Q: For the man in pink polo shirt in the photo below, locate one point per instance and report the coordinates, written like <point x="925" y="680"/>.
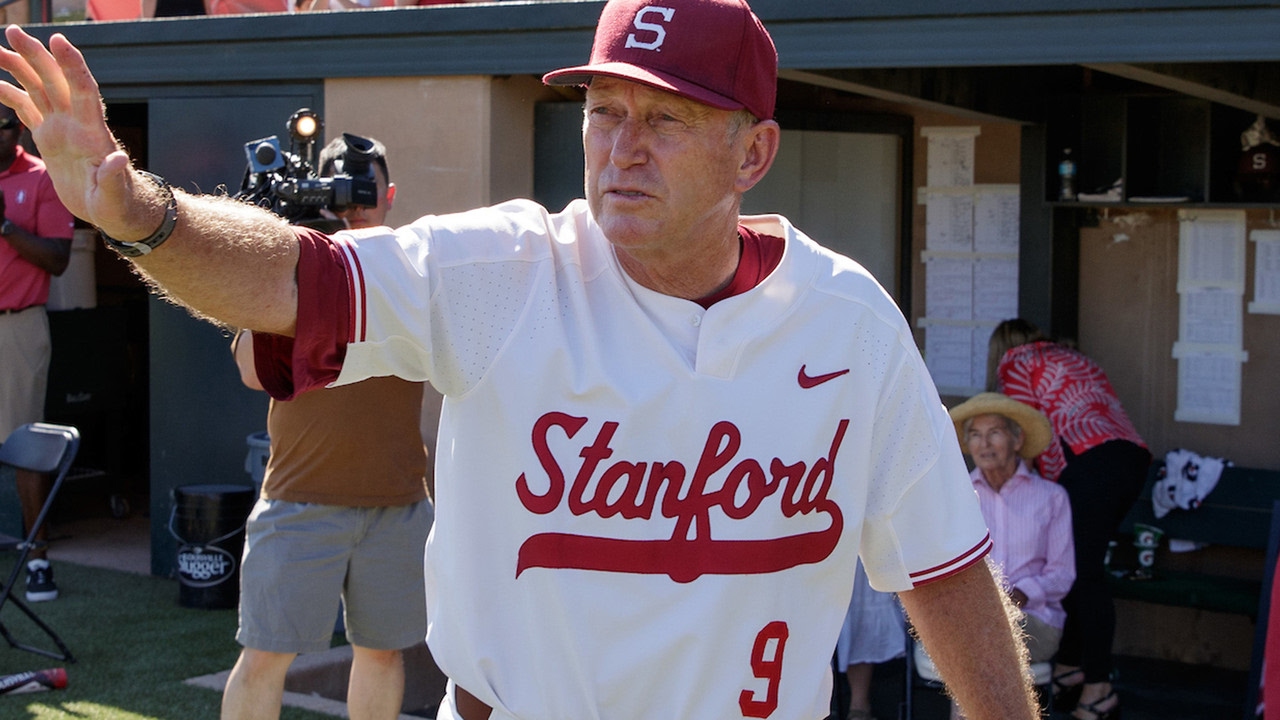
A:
<point x="35" y="244"/>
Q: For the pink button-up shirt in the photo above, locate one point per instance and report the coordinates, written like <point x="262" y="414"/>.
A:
<point x="1030" y="524"/>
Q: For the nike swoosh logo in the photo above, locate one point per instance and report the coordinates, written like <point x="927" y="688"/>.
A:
<point x="807" y="381"/>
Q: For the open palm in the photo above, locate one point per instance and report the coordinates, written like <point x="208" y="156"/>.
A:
<point x="58" y="99"/>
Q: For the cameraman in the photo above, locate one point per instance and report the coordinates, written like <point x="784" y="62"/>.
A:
<point x="360" y="216"/>
<point x="343" y="513"/>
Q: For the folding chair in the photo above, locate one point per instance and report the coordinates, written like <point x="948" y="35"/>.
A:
<point x="42" y="448"/>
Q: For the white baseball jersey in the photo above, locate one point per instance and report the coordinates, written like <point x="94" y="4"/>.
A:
<point x="646" y="509"/>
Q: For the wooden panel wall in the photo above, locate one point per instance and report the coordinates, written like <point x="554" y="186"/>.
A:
<point x="1129" y="322"/>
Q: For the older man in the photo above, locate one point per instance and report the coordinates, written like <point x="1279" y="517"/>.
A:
<point x="627" y="526"/>
<point x="35" y="245"/>
<point x="1029" y="517"/>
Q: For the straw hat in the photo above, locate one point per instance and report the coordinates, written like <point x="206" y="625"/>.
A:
<point x="1036" y="432"/>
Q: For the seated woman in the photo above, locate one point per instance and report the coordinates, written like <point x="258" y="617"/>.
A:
<point x="1029" y="517"/>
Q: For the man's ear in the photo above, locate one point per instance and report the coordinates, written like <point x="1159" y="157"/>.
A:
<point x="762" y="142"/>
<point x="391" y="195"/>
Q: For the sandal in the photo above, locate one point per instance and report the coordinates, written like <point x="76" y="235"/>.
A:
<point x="1067" y="695"/>
<point x="1111" y="713"/>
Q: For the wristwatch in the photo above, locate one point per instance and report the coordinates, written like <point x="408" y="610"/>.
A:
<point x="151" y="242"/>
<point x="7" y="227"/>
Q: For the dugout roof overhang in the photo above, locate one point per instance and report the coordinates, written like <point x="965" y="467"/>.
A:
<point x="992" y="57"/>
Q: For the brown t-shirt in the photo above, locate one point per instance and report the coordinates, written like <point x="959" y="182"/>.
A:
<point x="355" y="445"/>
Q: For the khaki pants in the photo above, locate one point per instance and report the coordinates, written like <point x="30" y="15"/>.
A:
<point x="24" y="367"/>
<point x="1042" y="638"/>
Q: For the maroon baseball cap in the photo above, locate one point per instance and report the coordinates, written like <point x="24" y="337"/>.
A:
<point x="713" y="51"/>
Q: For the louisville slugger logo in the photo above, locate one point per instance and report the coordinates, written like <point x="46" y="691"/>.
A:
<point x="644" y="26"/>
<point x="721" y="480"/>
<point x="807" y="381"/>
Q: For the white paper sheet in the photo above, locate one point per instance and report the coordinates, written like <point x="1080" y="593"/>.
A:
<point x="1211" y="274"/>
<point x="1266" y="272"/>
<point x="1211" y="316"/>
<point x="1208" y="389"/>
<point x="950" y="155"/>
<point x="948" y="222"/>
<point x="947" y="354"/>
<point x="995" y="288"/>
<point x="1211" y="249"/>
<point x="996" y="220"/>
<point x="981" y="341"/>
<point x="948" y="288"/>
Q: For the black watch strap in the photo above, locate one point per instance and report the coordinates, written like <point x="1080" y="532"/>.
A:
<point x="151" y="242"/>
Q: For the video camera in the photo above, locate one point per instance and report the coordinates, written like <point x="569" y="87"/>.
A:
<point x="287" y="184"/>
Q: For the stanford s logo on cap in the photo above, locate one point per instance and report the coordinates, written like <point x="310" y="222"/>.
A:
<point x="715" y="52"/>
<point x="660" y="32"/>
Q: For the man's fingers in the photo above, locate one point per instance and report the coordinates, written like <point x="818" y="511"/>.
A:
<point x="17" y="98"/>
<point x="40" y="75"/>
<point x="79" y="81"/>
<point x="16" y="62"/>
<point x="13" y="96"/>
<point x="57" y="96"/>
<point x="85" y="99"/>
<point x="55" y="83"/>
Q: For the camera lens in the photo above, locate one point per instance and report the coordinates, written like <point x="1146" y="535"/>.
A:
<point x="265" y="154"/>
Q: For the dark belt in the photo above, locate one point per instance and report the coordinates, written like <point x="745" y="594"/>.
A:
<point x="470" y="707"/>
<point x="15" y="311"/>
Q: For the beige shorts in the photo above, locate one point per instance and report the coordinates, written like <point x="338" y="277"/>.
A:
<point x="24" y="367"/>
<point x="1042" y="638"/>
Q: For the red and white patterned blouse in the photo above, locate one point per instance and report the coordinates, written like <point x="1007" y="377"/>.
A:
<point x="1073" y="392"/>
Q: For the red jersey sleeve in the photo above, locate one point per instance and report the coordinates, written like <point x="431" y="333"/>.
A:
<point x="313" y="358"/>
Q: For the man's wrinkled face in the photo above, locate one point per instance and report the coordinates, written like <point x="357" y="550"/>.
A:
<point x="992" y="443"/>
<point x="659" y="168"/>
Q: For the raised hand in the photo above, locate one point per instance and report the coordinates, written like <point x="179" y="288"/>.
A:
<point x="224" y="259"/>
<point x="59" y="100"/>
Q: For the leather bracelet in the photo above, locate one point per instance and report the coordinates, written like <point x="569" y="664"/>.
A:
<point x="151" y="242"/>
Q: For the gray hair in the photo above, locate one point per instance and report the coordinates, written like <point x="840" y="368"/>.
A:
<point x="1014" y="428"/>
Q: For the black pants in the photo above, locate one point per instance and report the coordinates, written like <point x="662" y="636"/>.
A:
<point x="1102" y="484"/>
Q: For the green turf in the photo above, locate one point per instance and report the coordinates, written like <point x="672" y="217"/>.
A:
<point x="134" y="646"/>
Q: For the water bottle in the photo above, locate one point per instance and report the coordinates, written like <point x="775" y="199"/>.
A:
<point x="1067" y="176"/>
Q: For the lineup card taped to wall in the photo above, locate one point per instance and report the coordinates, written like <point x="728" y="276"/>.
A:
<point x="957" y="355"/>
<point x="1210" y="346"/>
<point x="1211" y="249"/>
<point x="970" y="260"/>
<point x="950" y="155"/>
<point x="1266" y="272"/>
<point x="996" y="211"/>
<point x="948" y="220"/>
